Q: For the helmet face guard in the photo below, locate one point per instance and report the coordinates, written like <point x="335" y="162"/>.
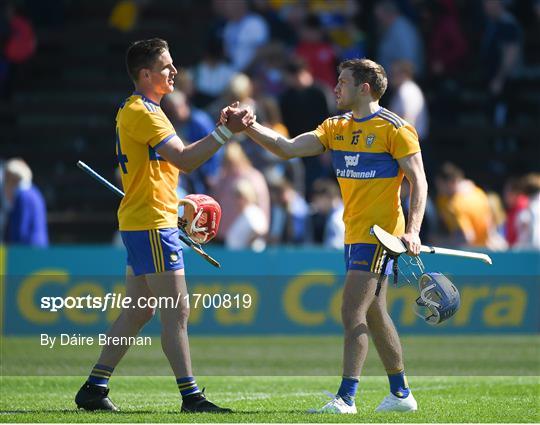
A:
<point x="439" y="296"/>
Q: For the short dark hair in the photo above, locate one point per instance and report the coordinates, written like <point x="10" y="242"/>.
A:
<point x="143" y="54"/>
<point x="367" y="71"/>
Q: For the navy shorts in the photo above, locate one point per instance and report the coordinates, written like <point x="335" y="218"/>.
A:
<point x="153" y="251"/>
<point x="367" y="257"/>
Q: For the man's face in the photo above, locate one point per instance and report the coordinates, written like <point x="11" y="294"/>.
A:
<point x="347" y="94"/>
<point x="161" y="76"/>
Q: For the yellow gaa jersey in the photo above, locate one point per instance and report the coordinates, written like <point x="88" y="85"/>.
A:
<point x="364" y="156"/>
<point x="149" y="182"/>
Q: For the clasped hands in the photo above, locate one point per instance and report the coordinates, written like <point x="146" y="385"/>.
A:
<point x="235" y="118"/>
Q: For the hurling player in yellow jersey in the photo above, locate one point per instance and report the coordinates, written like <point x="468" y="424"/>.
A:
<point x="372" y="149"/>
<point x="150" y="157"/>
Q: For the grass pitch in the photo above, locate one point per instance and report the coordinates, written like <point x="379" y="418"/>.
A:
<point x="278" y="398"/>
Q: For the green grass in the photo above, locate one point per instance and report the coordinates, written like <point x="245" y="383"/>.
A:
<point x="463" y="386"/>
<point x="489" y="355"/>
<point x="274" y="399"/>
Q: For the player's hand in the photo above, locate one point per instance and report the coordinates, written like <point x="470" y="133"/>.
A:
<point x="225" y="113"/>
<point x="412" y="243"/>
<point x="237" y="119"/>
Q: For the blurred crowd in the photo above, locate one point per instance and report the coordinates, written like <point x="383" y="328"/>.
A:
<point x="279" y="57"/>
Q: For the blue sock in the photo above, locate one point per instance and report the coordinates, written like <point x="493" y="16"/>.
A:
<point x="398" y="384"/>
<point x="187" y="386"/>
<point x="100" y="375"/>
<point x="347" y="389"/>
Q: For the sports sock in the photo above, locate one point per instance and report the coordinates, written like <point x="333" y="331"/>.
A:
<point x="100" y="375"/>
<point x="347" y="389"/>
<point x="398" y="384"/>
<point x="187" y="386"/>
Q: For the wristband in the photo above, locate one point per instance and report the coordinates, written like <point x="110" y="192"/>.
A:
<point x="226" y="132"/>
<point x="222" y="134"/>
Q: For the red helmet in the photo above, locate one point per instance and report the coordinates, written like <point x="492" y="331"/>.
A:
<point x="201" y="217"/>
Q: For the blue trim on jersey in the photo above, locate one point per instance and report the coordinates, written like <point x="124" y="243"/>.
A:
<point x="392" y="118"/>
<point x="374" y="114"/>
<point x="149" y="107"/>
<point x="364" y="165"/>
<point x="394" y="115"/>
<point x="165" y="140"/>
<point x="153" y="155"/>
<point x="144" y="98"/>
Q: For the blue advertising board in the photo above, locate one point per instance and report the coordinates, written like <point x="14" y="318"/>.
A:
<point x="279" y="291"/>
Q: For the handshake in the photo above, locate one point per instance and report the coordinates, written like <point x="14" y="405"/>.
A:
<point x="235" y="118"/>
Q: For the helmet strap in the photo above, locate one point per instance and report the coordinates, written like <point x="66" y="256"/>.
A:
<point x="395" y="271"/>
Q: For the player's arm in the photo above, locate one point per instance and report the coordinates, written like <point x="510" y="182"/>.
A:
<point x="306" y="144"/>
<point x="413" y="168"/>
<point x="188" y="158"/>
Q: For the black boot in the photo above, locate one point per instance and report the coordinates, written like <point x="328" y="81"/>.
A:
<point x="94" y="397"/>
<point x="197" y="403"/>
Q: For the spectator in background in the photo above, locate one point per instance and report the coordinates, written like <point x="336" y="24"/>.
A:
<point x="399" y="40"/>
<point x="350" y="41"/>
<point x="237" y="166"/>
<point x="240" y="89"/>
<point x="500" y="55"/>
<point x="289" y="214"/>
<point x="18" y="46"/>
<point x="27" y="217"/>
<point x="280" y="29"/>
<point x="447" y="49"/>
<point x="446" y="43"/>
<point x="212" y="75"/>
<point x="192" y="124"/>
<point x="528" y="220"/>
<point x="273" y="167"/>
<point x="249" y="227"/>
<point x="498" y="241"/>
<point x="20" y="43"/>
<point x="464" y="209"/>
<point x="334" y="14"/>
<point x="267" y="69"/>
<point x="515" y="201"/>
<point x="304" y="105"/>
<point x="327" y="214"/>
<point x="408" y="100"/>
<point x="317" y="52"/>
<point x="243" y="34"/>
<point x="269" y="114"/>
<point x="124" y="15"/>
